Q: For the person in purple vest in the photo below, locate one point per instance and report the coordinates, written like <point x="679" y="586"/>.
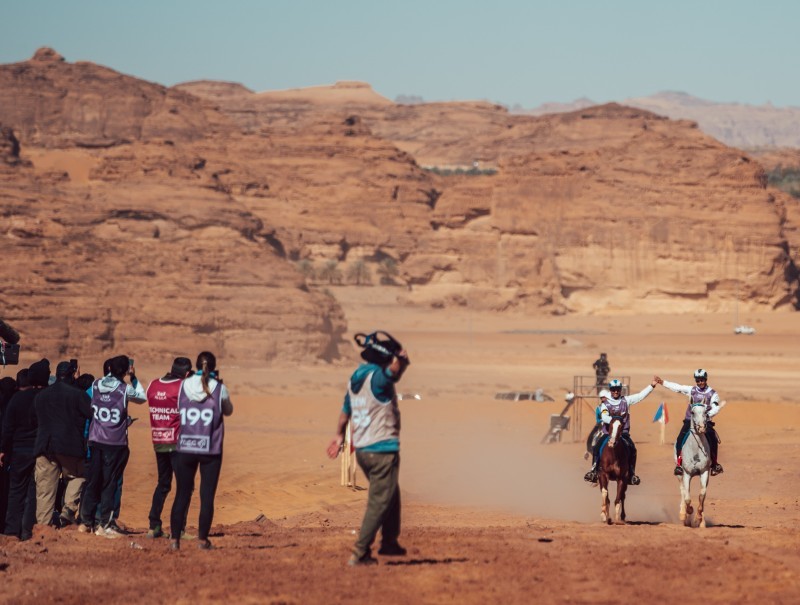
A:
<point x="700" y="393"/>
<point x="371" y="404"/>
<point x="203" y="401"/>
<point x="617" y="406"/>
<point x="108" y="439"/>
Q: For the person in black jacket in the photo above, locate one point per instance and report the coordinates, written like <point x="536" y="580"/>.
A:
<point x="61" y="412"/>
<point x="8" y="386"/>
<point x="16" y="450"/>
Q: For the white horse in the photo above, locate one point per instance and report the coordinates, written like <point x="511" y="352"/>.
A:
<point x="696" y="461"/>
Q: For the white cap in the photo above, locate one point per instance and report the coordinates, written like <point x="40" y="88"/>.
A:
<point x="605" y="393"/>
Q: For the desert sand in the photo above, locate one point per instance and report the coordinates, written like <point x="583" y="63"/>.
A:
<point x="489" y="514"/>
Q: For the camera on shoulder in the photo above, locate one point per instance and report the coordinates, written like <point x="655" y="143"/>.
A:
<point x="9" y="347"/>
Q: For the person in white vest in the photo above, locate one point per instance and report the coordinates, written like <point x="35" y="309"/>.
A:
<point x="371" y="403"/>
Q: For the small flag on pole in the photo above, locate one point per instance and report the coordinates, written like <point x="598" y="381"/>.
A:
<point x="662" y="415"/>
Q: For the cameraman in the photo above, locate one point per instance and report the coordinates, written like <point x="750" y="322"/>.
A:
<point x="61" y="412"/>
<point x="371" y="402"/>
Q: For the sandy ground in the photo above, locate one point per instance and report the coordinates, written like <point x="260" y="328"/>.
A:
<point x="490" y="514"/>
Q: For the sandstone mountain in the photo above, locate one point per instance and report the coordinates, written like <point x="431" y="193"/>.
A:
<point x="735" y="124"/>
<point x="149" y="219"/>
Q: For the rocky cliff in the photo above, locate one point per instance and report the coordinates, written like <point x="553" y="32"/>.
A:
<point x="157" y="220"/>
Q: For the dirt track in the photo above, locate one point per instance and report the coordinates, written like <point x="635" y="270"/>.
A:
<point x="532" y="561"/>
<point x="489" y="514"/>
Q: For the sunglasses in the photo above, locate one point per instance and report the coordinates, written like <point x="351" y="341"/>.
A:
<point x="615" y="389"/>
<point x="699" y="379"/>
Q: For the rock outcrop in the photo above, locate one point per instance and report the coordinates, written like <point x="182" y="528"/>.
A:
<point x="147" y="219"/>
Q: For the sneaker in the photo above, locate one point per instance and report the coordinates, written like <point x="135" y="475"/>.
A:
<point x="121" y="531"/>
<point x="591" y="476"/>
<point x="205" y="544"/>
<point x="185" y="536"/>
<point x="156" y="532"/>
<point x="678" y="471"/>
<point x="107" y="532"/>
<point x="716" y="469"/>
<point x="635" y="480"/>
<point x="85" y="529"/>
<point x="392" y="550"/>
<point x="175" y="545"/>
<point x="67" y="517"/>
<point x="366" y="560"/>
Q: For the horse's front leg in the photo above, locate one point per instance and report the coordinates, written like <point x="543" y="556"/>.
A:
<point x="699" y="519"/>
<point x="686" y="499"/>
<point x="619" y="503"/>
<point x="604" y="502"/>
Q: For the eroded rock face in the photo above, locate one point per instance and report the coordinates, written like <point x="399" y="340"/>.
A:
<point x="52" y="103"/>
<point x="186" y="234"/>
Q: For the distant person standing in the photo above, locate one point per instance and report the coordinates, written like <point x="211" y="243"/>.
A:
<point x="108" y="439"/>
<point x="165" y="422"/>
<point x="371" y="403"/>
<point x="601" y="372"/>
<point x="203" y="401"/>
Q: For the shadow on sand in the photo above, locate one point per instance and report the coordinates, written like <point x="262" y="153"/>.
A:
<point x="446" y="561"/>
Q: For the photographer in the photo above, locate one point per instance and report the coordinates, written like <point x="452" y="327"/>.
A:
<point x="371" y="403"/>
<point x="61" y="412"/>
<point x="108" y="438"/>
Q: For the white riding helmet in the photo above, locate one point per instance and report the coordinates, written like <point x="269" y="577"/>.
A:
<point x="701" y="373"/>
<point x="614" y="384"/>
<point x="605" y="393"/>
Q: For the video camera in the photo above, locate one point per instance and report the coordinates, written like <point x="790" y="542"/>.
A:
<point x="9" y="349"/>
<point x="380" y="348"/>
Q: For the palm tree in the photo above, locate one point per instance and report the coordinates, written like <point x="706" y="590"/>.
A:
<point x="388" y="271"/>
<point x="359" y="273"/>
<point x="330" y="272"/>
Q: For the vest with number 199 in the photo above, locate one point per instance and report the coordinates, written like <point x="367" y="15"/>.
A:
<point x="202" y="428"/>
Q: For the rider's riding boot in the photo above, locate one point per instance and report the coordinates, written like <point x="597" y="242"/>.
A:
<point x="634" y="478"/>
<point x="716" y="468"/>
<point x="678" y="468"/>
<point x="591" y="476"/>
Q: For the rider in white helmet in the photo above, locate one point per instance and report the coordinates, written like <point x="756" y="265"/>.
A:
<point x="700" y="393"/>
<point x="617" y="406"/>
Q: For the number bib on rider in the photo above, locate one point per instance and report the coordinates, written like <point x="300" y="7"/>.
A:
<point x="202" y="428"/>
<point x="109" y="415"/>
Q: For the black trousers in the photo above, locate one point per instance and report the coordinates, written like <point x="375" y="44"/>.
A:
<point x="163" y="487"/>
<point x="185" y="466"/>
<point x="21" y="514"/>
<point x="105" y="470"/>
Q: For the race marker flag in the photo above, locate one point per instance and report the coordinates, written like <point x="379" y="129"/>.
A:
<point x="662" y="415"/>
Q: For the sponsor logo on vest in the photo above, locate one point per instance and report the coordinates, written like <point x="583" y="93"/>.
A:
<point x="192" y="443"/>
<point x="163" y="435"/>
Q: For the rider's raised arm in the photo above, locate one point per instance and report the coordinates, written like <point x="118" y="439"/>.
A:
<point x="677" y="388"/>
<point x="634" y="399"/>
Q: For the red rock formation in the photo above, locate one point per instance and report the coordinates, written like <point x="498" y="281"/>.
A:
<point x="186" y="233"/>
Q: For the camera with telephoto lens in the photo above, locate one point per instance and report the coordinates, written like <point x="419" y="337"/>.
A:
<point x="9" y="347"/>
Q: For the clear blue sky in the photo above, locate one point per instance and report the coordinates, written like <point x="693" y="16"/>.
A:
<point x="510" y="51"/>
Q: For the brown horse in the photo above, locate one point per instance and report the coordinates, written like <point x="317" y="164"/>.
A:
<point x="614" y="466"/>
